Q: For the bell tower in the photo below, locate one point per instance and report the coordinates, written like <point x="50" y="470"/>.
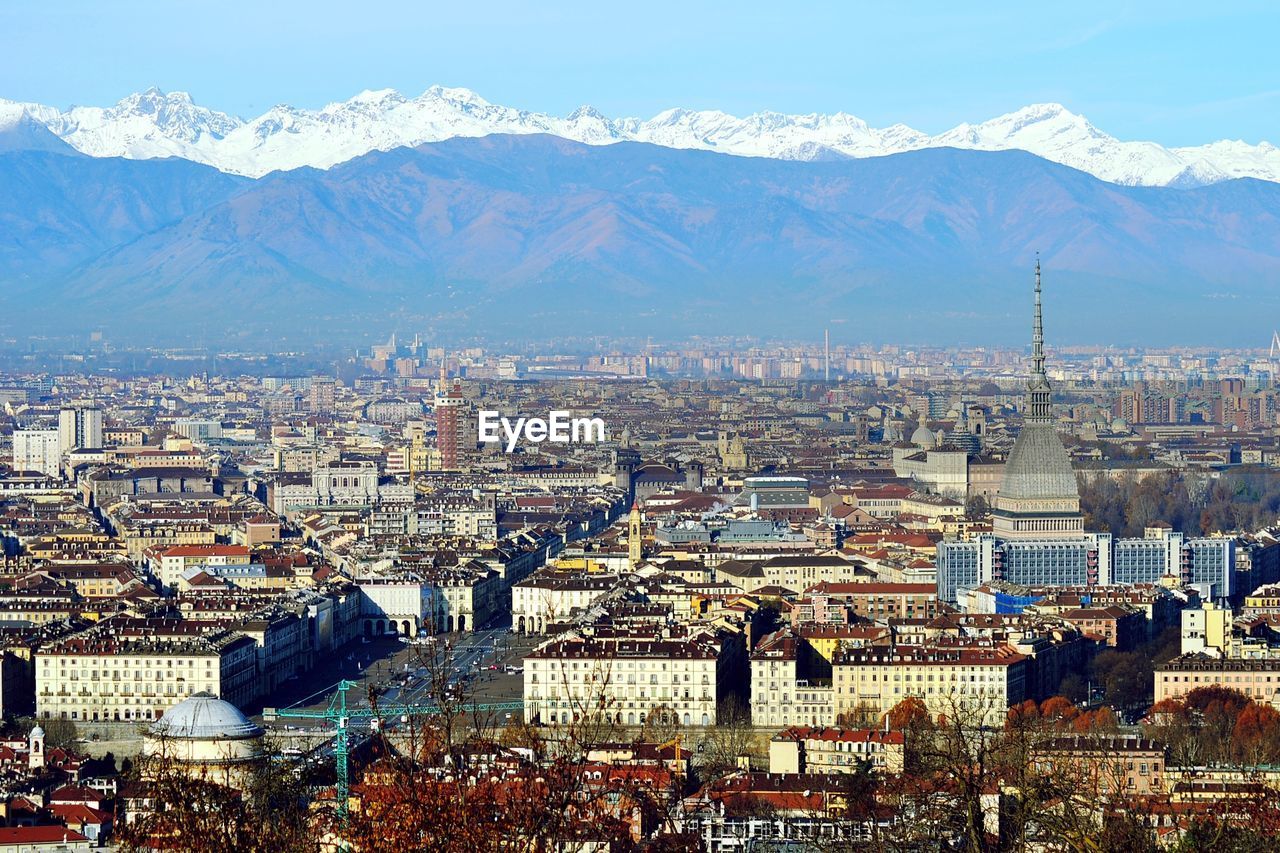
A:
<point x="35" y="749"/>
<point x="634" y="553"/>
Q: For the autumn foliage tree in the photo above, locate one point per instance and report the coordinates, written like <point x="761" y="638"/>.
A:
<point x="909" y="713"/>
<point x="173" y="808"/>
<point x="1216" y="724"/>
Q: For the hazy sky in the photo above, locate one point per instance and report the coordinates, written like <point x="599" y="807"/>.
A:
<point x="1137" y="70"/>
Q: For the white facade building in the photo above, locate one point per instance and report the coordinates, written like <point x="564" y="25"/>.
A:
<point x="37" y="450"/>
<point x="624" y="678"/>
<point x="549" y="596"/>
<point x="402" y="606"/>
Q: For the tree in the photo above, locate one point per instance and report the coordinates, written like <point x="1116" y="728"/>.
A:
<point x="58" y="733"/>
<point x="1100" y="721"/>
<point x="1058" y="710"/>
<point x="728" y="743"/>
<point x="909" y="713"/>
<point x="518" y="734"/>
<point x="1126" y="677"/>
<point x="1073" y="687"/>
<point x="661" y="724"/>
<point x="211" y="810"/>
<point x="977" y="507"/>
<point x="1255" y="738"/>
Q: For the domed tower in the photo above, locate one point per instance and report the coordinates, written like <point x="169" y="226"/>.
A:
<point x="35" y="748"/>
<point x="1039" y="497"/>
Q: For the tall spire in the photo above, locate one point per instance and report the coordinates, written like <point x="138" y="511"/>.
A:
<point x="1037" y="329"/>
<point x="1039" y="407"/>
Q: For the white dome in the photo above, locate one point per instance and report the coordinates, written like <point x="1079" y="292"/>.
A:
<point x="205" y="717"/>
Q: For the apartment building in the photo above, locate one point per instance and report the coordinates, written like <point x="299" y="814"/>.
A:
<point x="170" y="564"/>
<point x="980" y="679"/>
<point x="797" y="573"/>
<point x="134" y="669"/>
<point x="93" y="580"/>
<point x="404" y="604"/>
<point x="467" y="597"/>
<point x="1109" y="766"/>
<point x="1117" y="626"/>
<point x="1257" y="678"/>
<point x="830" y="749"/>
<point x="162" y="534"/>
<point x="790" y="683"/>
<point x="37" y="450"/>
<point x="882" y="601"/>
<point x="626" y="677"/>
<point x="551" y="596"/>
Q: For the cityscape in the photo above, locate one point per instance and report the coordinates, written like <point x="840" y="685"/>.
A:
<point x="764" y="604"/>
<point x="412" y="473"/>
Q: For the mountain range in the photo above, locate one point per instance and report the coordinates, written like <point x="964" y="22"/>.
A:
<point x="155" y="124"/>
<point x="534" y="235"/>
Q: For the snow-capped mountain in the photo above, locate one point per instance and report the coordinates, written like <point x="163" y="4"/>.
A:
<point x="155" y="124"/>
<point x="141" y="127"/>
<point x="20" y="131"/>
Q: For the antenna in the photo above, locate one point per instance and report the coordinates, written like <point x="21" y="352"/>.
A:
<point x="826" y="355"/>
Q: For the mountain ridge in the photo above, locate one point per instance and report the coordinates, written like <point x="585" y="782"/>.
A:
<point x="157" y="124"/>
<point x="535" y="231"/>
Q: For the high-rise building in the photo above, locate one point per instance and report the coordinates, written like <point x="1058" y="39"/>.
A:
<point x="450" y="410"/>
<point x="80" y="428"/>
<point x="320" y="397"/>
<point x="1039" y="497"/>
<point x="37" y="450"/>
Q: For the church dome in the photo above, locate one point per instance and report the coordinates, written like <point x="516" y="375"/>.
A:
<point x="205" y="717"/>
<point x="1038" y="467"/>
<point x="923" y="437"/>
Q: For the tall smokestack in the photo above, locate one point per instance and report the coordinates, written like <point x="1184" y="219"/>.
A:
<point x="826" y="355"/>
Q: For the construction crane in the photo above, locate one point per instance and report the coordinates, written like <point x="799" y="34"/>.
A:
<point x="340" y="714"/>
<point x="675" y="741"/>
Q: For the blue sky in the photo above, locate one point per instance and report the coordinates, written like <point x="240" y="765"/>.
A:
<point x="1179" y="76"/>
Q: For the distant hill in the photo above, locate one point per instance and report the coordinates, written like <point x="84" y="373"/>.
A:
<point x="538" y="234"/>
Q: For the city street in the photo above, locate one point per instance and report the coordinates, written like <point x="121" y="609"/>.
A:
<point x="400" y="672"/>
